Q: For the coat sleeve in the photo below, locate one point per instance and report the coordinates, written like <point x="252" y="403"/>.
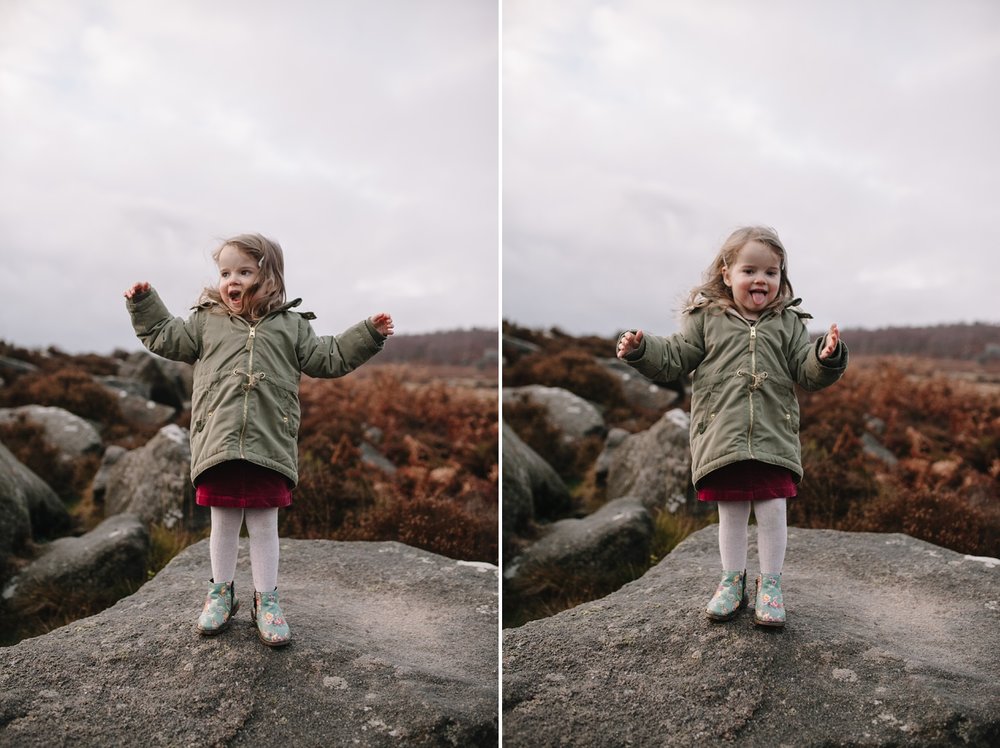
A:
<point x="806" y="367"/>
<point x="336" y="355"/>
<point x="667" y="359"/>
<point x="163" y="334"/>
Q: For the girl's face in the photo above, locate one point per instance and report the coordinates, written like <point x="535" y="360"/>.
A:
<point x="238" y="273"/>
<point x="754" y="277"/>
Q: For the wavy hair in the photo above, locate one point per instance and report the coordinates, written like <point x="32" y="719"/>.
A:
<point x="714" y="293"/>
<point x="268" y="293"/>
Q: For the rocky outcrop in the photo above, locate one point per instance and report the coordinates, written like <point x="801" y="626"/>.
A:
<point x="168" y="382"/>
<point x="108" y="558"/>
<point x="67" y="433"/>
<point x="154" y="482"/>
<point x="28" y="507"/>
<point x="594" y="548"/>
<point x="391" y="646"/>
<point x="530" y="486"/>
<point x="140" y="411"/>
<point x="640" y="392"/>
<point x="570" y="414"/>
<point x="653" y="465"/>
<point x="890" y="641"/>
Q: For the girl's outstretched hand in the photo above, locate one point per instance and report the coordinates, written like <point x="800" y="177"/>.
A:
<point x="138" y="288"/>
<point x="383" y="323"/>
<point x="629" y="342"/>
<point x="832" y="338"/>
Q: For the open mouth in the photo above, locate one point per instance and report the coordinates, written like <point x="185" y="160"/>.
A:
<point x="235" y="296"/>
<point x="759" y="296"/>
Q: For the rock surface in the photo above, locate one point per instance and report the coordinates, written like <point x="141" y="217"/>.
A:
<point x="169" y="382"/>
<point x="28" y="507"/>
<point x="391" y="646"/>
<point x="530" y="486"/>
<point x="65" y="432"/>
<point x="154" y="481"/>
<point x="654" y="465"/>
<point x="104" y="559"/>
<point x="570" y="414"/>
<point x="890" y="641"/>
<point x="600" y="544"/>
<point x="639" y="391"/>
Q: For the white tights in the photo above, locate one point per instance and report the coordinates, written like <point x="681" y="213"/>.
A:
<point x="224" y="544"/>
<point x="772" y="534"/>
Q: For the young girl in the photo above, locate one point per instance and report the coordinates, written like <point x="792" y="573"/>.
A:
<point x="744" y="338"/>
<point x="248" y="348"/>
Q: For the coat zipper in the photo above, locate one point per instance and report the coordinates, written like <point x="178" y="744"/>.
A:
<point x="246" y="389"/>
<point x="753" y="378"/>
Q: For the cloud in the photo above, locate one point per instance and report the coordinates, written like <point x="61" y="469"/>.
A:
<point x="362" y="136"/>
<point x="638" y="134"/>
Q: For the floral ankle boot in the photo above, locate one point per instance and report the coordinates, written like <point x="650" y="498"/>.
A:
<point x="769" y="607"/>
<point x="271" y="626"/>
<point x="220" y="607"/>
<point x="729" y="597"/>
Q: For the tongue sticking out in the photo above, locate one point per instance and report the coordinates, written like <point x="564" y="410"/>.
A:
<point x="758" y="296"/>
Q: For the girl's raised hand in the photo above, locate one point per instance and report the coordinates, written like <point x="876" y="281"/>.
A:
<point x="832" y="338"/>
<point x="383" y="323"/>
<point x="138" y="288"/>
<point x="629" y="342"/>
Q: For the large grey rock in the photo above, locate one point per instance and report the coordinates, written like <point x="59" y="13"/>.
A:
<point x="99" y="486"/>
<point x="139" y="411"/>
<point x="890" y="641"/>
<point x="65" y="432"/>
<point x="600" y="545"/>
<point x="111" y="555"/>
<point x="28" y="507"/>
<point x="530" y="486"/>
<point x="15" y="521"/>
<point x="392" y="646"/>
<point x="154" y="482"/>
<point x="653" y="465"/>
<point x="169" y="382"/>
<point x="570" y="414"/>
<point x="638" y="390"/>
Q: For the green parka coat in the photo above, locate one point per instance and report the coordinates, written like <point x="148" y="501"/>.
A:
<point x="743" y="402"/>
<point x="245" y="404"/>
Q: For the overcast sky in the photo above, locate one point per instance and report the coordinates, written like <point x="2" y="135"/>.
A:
<point x="134" y="136"/>
<point x="637" y="134"/>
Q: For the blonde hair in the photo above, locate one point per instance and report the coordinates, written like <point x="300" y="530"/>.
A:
<point x="714" y="292"/>
<point x="268" y="293"/>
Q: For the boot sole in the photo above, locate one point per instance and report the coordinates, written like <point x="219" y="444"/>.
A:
<point x="225" y="624"/>
<point x="769" y="624"/>
<point x="728" y="616"/>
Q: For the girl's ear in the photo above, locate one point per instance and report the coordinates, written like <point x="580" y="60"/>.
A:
<point x="725" y="276"/>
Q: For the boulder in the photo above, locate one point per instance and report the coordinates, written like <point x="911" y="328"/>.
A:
<point x="169" y="382"/>
<point x="392" y="646"/>
<point x="99" y="486"/>
<point x="653" y="465"/>
<point x="15" y="521"/>
<point x="639" y="391"/>
<point x="154" y="482"/>
<point x="890" y="641"/>
<point x="67" y="433"/>
<point x="28" y="507"/>
<point x="140" y="411"/>
<point x="16" y="366"/>
<point x="570" y="414"/>
<point x="531" y="487"/>
<point x="372" y="457"/>
<point x="104" y="560"/>
<point x="596" y="548"/>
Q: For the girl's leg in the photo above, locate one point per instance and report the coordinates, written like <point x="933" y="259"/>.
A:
<point x="733" y="518"/>
<point x="224" y="544"/>
<point x="262" y="526"/>
<point x="772" y="537"/>
<point x="772" y="534"/>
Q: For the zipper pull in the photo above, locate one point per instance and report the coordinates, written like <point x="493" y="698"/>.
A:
<point x="753" y="332"/>
<point x="253" y="331"/>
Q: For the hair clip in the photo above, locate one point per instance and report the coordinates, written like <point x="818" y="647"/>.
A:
<point x="260" y="262"/>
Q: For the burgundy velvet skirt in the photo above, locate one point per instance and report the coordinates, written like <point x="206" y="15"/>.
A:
<point x="242" y="484"/>
<point x="748" y="480"/>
